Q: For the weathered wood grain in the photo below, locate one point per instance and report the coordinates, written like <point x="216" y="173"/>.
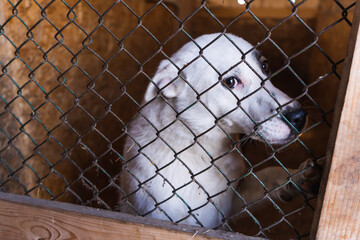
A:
<point x="340" y="211"/>
<point x="28" y="218"/>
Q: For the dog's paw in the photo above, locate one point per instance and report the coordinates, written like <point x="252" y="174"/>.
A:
<point x="305" y="180"/>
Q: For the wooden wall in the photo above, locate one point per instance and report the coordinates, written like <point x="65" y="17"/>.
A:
<point x="72" y="142"/>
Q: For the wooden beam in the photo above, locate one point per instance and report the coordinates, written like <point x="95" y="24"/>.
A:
<point x="272" y="9"/>
<point x="29" y="218"/>
<point x="274" y="13"/>
<point x="261" y="3"/>
<point x="338" y="210"/>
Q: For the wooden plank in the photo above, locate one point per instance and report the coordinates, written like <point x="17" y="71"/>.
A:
<point x="338" y="210"/>
<point x="262" y="9"/>
<point x="275" y="13"/>
<point x="261" y="3"/>
<point x="29" y="218"/>
<point x="272" y="9"/>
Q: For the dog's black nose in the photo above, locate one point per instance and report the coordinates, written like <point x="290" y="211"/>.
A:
<point x="297" y="118"/>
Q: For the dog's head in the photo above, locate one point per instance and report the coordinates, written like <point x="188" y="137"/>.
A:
<point x="222" y="80"/>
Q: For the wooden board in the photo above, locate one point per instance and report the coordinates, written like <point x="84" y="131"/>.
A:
<point x="28" y="218"/>
<point x="262" y="8"/>
<point x="275" y="13"/>
<point x="262" y="3"/>
<point x="339" y="213"/>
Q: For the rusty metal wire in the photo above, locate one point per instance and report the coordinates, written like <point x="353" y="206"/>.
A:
<point x="13" y="173"/>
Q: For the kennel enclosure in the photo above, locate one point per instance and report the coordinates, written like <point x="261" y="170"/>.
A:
<point x="73" y="77"/>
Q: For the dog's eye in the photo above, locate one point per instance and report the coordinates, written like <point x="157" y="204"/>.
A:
<point x="230" y="82"/>
<point x="265" y="65"/>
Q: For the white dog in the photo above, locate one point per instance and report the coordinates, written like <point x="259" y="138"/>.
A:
<point x="181" y="159"/>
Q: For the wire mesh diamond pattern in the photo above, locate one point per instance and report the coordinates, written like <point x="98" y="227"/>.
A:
<point x="73" y="77"/>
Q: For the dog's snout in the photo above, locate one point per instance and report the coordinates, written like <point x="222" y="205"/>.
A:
<point x="297" y="118"/>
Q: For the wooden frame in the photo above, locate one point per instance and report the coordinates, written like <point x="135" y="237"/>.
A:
<point x="338" y="208"/>
<point x="24" y="217"/>
<point x="337" y="215"/>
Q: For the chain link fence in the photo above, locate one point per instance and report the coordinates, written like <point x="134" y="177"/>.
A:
<point x="73" y="77"/>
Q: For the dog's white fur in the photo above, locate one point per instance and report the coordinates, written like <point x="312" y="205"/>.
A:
<point x="176" y="135"/>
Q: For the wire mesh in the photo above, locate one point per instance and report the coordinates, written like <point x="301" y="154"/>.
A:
<point x="72" y="81"/>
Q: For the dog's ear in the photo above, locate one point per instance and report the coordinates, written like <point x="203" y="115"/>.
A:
<point x="166" y="77"/>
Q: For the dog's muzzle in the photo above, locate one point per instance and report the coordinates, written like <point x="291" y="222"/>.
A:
<point x="297" y="118"/>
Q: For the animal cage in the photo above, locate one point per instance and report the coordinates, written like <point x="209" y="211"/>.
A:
<point x="73" y="78"/>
